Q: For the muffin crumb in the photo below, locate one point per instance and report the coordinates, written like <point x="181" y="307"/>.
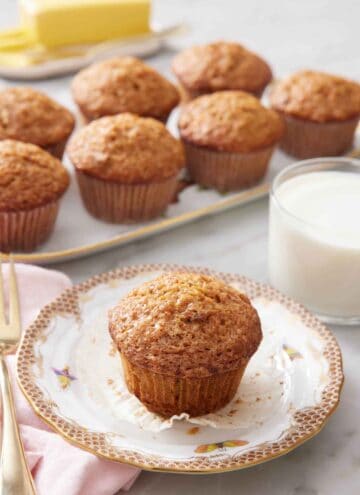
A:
<point x="123" y="84"/>
<point x="186" y="325"/>
<point x="32" y="117"/>
<point x="317" y="96"/>
<point x="221" y="66"/>
<point x="127" y="149"/>
<point x="29" y="176"/>
<point x="232" y="121"/>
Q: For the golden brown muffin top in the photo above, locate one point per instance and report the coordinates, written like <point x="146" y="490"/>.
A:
<point x="127" y="149"/>
<point x="221" y="65"/>
<point x="29" y="176"/>
<point x="31" y="116"/>
<point x="123" y="85"/>
<point x="186" y="324"/>
<point x="231" y="121"/>
<point x="317" y="96"/>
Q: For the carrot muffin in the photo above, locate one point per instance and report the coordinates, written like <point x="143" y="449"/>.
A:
<point x="321" y="112"/>
<point x="185" y="340"/>
<point x="31" y="185"/>
<point x="126" y="166"/>
<point x="32" y="117"/>
<point x="220" y="66"/>
<point x="123" y="85"/>
<point x="229" y="138"/>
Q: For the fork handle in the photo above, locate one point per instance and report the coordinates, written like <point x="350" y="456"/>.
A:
<point x="15" y="476"/>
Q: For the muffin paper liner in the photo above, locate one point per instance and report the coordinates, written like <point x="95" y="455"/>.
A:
<point x="226" y="171"/>
<point x="25" y="230"/>
<point x="125" y="203"/>
<point x="168" y="396"/>
<point x="57" y="149"/>
<point x="265" y="387"/>
<point x="305" y="139"/>
<point x="187" y="94"/>
<point x="84" y="120"/>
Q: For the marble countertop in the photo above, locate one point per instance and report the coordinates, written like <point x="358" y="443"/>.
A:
<point x="322" y="35"/>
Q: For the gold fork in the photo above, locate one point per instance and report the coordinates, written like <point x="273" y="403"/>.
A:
<point x="15" y="476"/>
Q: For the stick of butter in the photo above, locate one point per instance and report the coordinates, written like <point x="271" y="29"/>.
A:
<point x="15" y="39"/>
<point x="64" y="22"/>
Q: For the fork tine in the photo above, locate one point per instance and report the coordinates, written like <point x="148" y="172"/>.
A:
<point x="14" y="307"/>
<point x="2" y="302"/>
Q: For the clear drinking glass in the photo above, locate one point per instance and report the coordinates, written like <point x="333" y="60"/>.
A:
<point x="314" y="237"/>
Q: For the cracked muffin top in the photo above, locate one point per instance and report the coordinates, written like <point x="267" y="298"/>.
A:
<point x="123" y="85"/>
<point x="232" y="121"/>
<point x="31" y="116"/>
<point x="127" y="149"/>
<point x="220" y="66"/>
<point x="29" y="176"/>
<point x="186" y="324"/>
<point x="317" y="96"/>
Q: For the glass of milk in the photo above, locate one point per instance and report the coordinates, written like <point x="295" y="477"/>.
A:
<point x="314" y="236"/>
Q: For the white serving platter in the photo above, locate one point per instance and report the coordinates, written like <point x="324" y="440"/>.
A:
<point x="78" y="234"/>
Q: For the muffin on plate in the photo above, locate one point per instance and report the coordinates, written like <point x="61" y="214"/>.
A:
<point x="321" y="112"/>
<point x="229" y="138"/>
<point x="123" y="84"/>
<point x="31" y="184"/>
<point x="126" y="166"/>
<point x="185" y="340"/>
<point x="32" y="117"/>
<point x="220" y="66"/>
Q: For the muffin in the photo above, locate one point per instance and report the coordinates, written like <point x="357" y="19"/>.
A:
<point x="31" y="184"/>
<point x="126" y="166"/>
<point x="185" y="340"/>
<point x="121" y="85"/>
<point x="321" y="113"/>
<point x="32" y="117"/>
<point x="229" y="138"/>
<point x="220" y="66"/>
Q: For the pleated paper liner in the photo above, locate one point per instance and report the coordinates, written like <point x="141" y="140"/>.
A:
<point x="195" y="396"/>
<point x="305" y="139"/>
<point x="188" y="94"/>
<point x="57" y="149"/>
<point x="85" y="120"/>
<point x="226" y="171"/>
<point x="25" y="230"/>
<point x="125" y="203"/>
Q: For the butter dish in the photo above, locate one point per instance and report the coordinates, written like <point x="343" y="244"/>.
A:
<point x="35" y="61"/>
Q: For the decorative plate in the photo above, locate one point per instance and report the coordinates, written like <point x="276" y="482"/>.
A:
<point x="71" y="375"/>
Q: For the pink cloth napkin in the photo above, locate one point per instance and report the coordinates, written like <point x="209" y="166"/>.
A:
<point x="58" y="467"/>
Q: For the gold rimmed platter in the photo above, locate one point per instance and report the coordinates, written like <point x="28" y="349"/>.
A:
<point x="77" y="234"/>
<point x="290" y="389"/>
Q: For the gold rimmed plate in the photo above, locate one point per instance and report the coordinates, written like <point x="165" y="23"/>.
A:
<point x="71" y="375"/>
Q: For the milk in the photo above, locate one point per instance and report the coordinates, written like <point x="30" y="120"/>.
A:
<point x="314" y="241"/>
